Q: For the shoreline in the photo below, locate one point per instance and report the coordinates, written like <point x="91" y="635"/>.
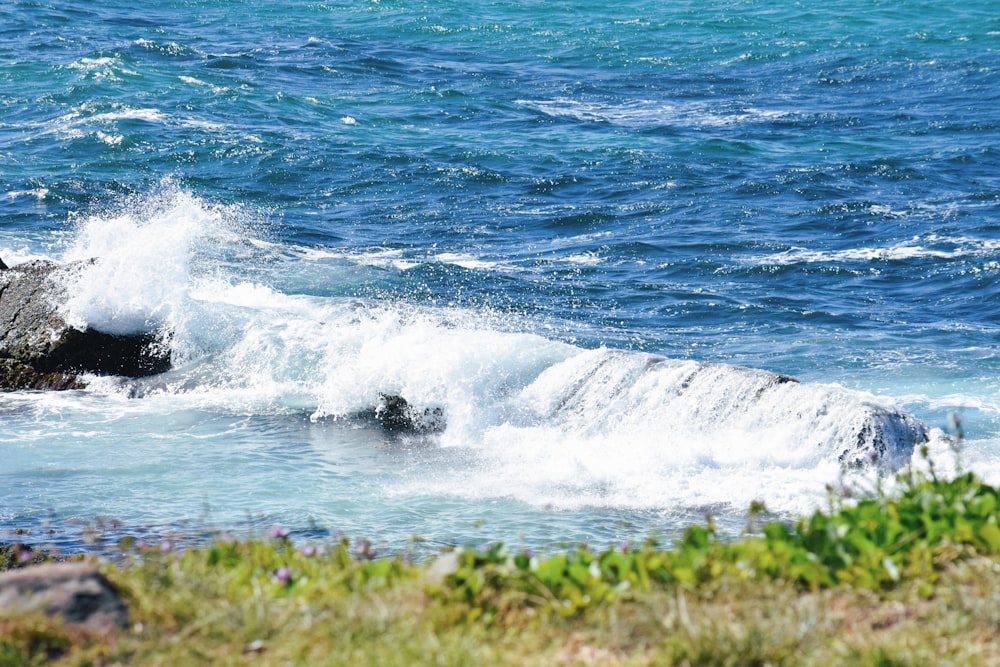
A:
<point x="906" y="578"/>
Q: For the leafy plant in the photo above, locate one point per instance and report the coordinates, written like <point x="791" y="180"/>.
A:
<point x="871" y="543"/>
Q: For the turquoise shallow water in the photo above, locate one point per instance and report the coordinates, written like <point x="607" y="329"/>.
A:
<point x="329" y="201"/>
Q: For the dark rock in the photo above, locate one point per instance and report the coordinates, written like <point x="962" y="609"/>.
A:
<point x="14" y="375"/>
<point x="396" y="415"/>
<point x="3" y="267"/>
<point x="39" y="350"/>
<point x="76" y="592"/>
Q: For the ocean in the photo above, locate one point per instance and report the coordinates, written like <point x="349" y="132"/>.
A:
<point x="495" y="211"/>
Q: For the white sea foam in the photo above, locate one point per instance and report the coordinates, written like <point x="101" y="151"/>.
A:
<point x="465" y="260"/>
<point x="932" y="246"/>
<point x="92" y="63"/>
<point x="105" y="125"/>
<point x="149" y="115"/>
<point x="76" y="123"/>
<point x="585" y="258"/>
<point x="37" y="193"/>
<point x="651" y="113"/>
<point x="109" y="139"/>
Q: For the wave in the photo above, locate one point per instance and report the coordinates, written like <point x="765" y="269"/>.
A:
<point x="176" y="263"/>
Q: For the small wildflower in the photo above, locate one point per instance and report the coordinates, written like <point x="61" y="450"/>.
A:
<point x="166" y="547"/>
<point x="24" y="556"/>
<point x="284" y="575"/>
<point x="279" y="532"/>
<point x="310" y="551"/>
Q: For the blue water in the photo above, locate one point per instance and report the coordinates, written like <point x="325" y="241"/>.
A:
<point x="456" y="202"/>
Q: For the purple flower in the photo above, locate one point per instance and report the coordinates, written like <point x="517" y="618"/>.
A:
<point x="309" y="551"/>
<point x="279" y="532"/>
<point x="284" y="575"/>
<point x="166" y="547"/>
<point x="24" y="556"/>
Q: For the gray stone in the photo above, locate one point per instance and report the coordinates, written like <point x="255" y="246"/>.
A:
<point x="76" y="592"/>
<point x="39" y="350"/>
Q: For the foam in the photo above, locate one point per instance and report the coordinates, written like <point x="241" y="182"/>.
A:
<point x="645" y="114"/>
<point x="916" y="248"/>
<point x="143" y="256"/>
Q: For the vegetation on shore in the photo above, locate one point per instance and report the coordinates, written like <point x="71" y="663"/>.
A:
<point x="907" y="578"/>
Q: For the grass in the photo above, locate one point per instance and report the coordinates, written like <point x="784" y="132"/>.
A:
<point x="909" y="578"/>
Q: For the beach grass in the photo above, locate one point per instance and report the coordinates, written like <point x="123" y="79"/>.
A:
<point x="907" y="578"/>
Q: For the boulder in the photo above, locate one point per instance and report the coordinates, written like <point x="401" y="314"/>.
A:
<point x="76" y="592"/>
<point x="39" y="350"/>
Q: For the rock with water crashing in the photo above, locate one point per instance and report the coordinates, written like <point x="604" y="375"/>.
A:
<point x="883" y="437"/>
<point x="396" y="415"/>
<point x="39" y="350"/>
<point x="75" y="592"/>
<point x="721" y="403"/>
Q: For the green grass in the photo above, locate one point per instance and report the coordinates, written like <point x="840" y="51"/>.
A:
<point x="911" y="578"/>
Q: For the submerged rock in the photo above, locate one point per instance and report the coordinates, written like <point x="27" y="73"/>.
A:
<point x="76" y="592"/>
<point x="396" y="415"/>
<point x="39" y="350"/>
<point x="721" y="404"/>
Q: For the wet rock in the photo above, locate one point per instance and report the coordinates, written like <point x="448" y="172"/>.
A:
<point x="396" y="415"/>
<point x="76" y="592"/>
<point x="39" y="350"/>
<point x="884" y="438"/>
<point x="14" y="375"/>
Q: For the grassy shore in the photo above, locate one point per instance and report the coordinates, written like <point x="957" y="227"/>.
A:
<point x="911" y="578"/>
